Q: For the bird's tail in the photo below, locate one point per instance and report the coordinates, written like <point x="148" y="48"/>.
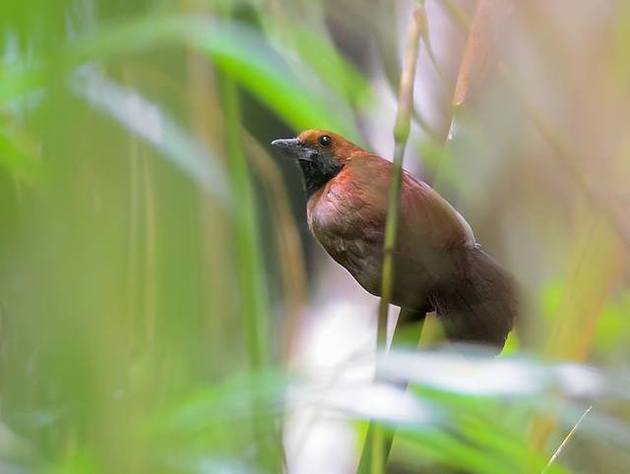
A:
<point x="479" y="306"/>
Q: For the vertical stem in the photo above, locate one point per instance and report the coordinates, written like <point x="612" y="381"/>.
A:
<point x="401" y="338"/>
<point x="401" y="134"/>
<point x="290" y="256"/>
<point x="150" y="294"/>
<point x="132" y="245"/>
<point x="250" y="272"/>
<point x="249" y="261"/>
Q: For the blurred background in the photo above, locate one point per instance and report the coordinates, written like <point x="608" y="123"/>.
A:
<point x="163" y="307"/>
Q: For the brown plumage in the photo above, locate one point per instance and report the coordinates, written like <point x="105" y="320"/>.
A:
<point x="438" y="264"/>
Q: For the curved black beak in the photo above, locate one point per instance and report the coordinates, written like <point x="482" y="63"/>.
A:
<point x="294" y="148"/>
<point x="287" y="145"/>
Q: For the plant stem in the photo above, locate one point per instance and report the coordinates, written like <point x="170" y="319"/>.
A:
<point x="245" y="229"/>
<point x="400" y="339"/>
<point x="566" y="439"/>
<point x="401" y="134"/>
<point x="249" y="263"/>
<point x="290" y="257"/>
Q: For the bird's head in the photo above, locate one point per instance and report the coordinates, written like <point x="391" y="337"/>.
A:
<point x="321" y="155"/>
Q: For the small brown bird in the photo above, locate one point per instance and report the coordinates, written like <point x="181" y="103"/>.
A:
<point x="438" y="264"/>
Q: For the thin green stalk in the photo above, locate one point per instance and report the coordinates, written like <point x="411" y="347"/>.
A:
<point x="254" y="306"/>
<point x="401" y="134"/>
<point x="249" y="265"/>
<point x="405" y="335"/>
<point x="566" y="439"/>
<point x="150" y="291"/>
<point x="290" y="257"/>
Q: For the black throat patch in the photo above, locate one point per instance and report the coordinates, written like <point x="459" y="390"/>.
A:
<point x="317" y="171"/>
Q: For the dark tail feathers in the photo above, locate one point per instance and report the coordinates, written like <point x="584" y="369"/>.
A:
<point x="480" y="305"/>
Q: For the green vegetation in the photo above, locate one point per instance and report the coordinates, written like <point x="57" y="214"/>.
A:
<point x="153" y="282"/>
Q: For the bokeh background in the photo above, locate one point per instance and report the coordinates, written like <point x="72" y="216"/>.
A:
<point x="162" y="305"/>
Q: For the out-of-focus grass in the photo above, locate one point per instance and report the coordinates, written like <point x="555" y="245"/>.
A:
<point x="149" y="268"/>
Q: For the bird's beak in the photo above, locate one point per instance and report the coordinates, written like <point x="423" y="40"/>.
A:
<point x="292" y="147"/>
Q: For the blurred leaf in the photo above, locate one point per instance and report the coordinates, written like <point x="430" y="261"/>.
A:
<point x="612" y="330"/>
<point x="243" y="54"/>
<point x="148" y="121"/>
<point x="15" y="157"/>
<point x="451" y="451"/>
<point x="238" y="50"/>
<point x="472" y="372"/>
<point x="114" y="344"/>
<point x="326" y="62"/>
<point x="551" y="295"/>
<point x="228" y="401"/>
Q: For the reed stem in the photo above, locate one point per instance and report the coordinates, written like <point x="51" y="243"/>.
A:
<point x="378" y="445"/>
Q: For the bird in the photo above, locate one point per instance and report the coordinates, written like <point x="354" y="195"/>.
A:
<point x="438" y="264"/>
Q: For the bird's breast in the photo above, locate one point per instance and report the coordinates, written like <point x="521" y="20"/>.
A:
<point x="344" y="229"/>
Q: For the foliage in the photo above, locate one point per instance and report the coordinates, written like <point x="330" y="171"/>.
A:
<point x="152" y="285"/>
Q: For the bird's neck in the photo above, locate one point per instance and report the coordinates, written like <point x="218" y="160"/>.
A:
<point x="317" y="173"/>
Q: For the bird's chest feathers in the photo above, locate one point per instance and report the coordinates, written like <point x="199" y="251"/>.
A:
<point x="340" y="223"/>
<point x="330" y="216"/>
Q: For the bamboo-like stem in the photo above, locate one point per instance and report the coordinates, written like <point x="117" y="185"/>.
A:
<point x="150" y="291"/>
<point x="249" y="263"/>
<point x="400" y="339"/>
<point x="133" y="239"/>
<point x="245" y="230"/>
<point x="207" y="123"/>
<point x="401" y="134"/>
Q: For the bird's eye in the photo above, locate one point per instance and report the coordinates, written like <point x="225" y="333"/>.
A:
<point x="325" y="140"/>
